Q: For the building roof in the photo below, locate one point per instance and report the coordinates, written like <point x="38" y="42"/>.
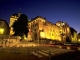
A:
<point x="42" y="18"/>
<point x="37" y="17"/>
<point x="15" y="14"/>
<point x="4" y="21"/>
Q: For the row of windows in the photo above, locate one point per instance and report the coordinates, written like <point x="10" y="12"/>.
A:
<point x="35" y="21"/>
<point x="34" y="25"/>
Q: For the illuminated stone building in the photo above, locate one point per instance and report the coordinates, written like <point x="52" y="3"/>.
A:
<point x="40" y="28"/>
<point x="78" y="37"/>
<point x="73" y="35"/>
<point x="4" y="27"/>
<point x="64" y="30"/>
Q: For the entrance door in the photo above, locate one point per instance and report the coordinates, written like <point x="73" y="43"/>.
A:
<point x="35" y="36"/>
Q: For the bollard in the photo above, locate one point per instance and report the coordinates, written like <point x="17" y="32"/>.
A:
<point x="60" y="47"/>
<point x="49" y="55"/>
<point x="2" y="49"/>
<point x="17" y="50"/>
<point x="68" y="48"/>
<point x="12" y="50"/>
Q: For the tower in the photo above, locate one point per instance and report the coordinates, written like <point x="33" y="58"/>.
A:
<point x="19" y="13"/>
<point x="13" y="18"/>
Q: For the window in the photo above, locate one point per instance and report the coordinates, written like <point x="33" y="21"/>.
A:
<point x="33" y="22"/>
<point x="42" y="30"/>
<point x="60" y="32"/>
<point x="35" y="29"/>
<point x="33" y="25"/>
<point x="45" y="23"/>
<point x="36" y="24"/>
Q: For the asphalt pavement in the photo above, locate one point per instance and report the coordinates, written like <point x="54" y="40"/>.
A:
<point x="26" y="51"/>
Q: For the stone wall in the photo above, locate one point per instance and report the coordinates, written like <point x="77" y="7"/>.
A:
<point x="9" y="40"/>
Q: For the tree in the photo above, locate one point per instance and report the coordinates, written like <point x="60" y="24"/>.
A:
<point x="20" y="26"/>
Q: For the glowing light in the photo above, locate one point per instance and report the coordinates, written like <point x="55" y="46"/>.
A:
<point x="58" y="24"/>
<point x="1" y="30"/>
<point x="79" y="40"/>
<point x="42" y="34"/>
<point x="25" y="38"/>
<point x="11" y="31"/>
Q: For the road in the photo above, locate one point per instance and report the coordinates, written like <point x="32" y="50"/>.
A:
<point x="29" y="52"/>
<point x="54" y="51"/>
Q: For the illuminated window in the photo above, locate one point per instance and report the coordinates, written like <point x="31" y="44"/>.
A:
<point x="67" y="29"/>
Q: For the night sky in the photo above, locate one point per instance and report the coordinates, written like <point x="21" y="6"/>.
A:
<point x="53" y="10"/>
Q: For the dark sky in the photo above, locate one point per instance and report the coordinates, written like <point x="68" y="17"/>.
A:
<point x="53" y="10"/>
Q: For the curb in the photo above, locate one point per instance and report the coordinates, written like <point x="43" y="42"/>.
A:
<point x="69" y="47"/>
